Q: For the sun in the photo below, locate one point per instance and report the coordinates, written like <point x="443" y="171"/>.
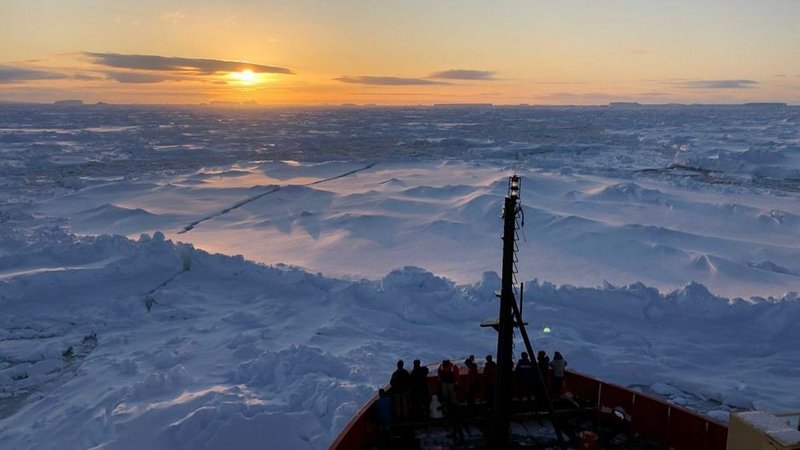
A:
<point x="246" y="77"/>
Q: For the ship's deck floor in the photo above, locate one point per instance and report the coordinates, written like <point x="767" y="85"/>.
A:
<point x="531" y="428"/>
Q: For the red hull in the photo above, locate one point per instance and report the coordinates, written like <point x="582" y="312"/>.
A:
<point x="648" y="417"/>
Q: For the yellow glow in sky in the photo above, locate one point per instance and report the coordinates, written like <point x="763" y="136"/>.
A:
<point x="246" y="77"/>
<point x="403" y="52"/>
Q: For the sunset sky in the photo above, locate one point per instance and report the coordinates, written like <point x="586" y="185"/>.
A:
<point x="400" y="52"/>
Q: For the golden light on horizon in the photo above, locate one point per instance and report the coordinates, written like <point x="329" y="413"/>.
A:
<point x="246" y="77"/>
<point x="315" y="52"/>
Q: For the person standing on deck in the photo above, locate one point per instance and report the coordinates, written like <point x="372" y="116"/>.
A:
<point x="400" y="383"/>
<point x="543" y="362"/>
<point x="383" y="412"/>
<point x="489" y="377"/>
<point x="558" y="364"/>
<point x="448" y="375"/>
<point x="473" y="382"/>
<point x="524" y="372"/>
<point x="543" y="365"/>
<point x="420" y="395"/>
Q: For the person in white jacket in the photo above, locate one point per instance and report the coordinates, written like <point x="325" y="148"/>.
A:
<point x="558" y="364"/>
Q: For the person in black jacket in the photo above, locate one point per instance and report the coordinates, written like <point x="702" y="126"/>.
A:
<point x="383" y="412"/>
<point x="420" y="395"/>
<point x="448" y="377"/>
<point x="400" y="383"/>
<point x="524" y="372"/>
<point x="543" y="364"/>
<point x="543" y="361"/>
<point x="489" y="377"/>
<point x="473" y="383"/>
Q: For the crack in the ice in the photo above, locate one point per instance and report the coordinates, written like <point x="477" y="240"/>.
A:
<point x="186" y="265"/>
<point x="192" y="225"/>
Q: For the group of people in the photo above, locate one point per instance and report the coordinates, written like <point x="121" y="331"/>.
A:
<point x="529" y="381"/>
<point x="410" y="394"/>
<point x="410" y="397"/>
<point x="447" y="375"/>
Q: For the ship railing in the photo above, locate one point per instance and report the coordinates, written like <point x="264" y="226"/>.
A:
<point x="638" y="414"/>
<point x="647" y="416"/>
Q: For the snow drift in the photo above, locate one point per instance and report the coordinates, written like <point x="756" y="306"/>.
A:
<point x="196" y="350"/>
<point x="645" y="225"/>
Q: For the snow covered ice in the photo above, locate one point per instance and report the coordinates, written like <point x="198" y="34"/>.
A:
<point x="660" y="249"/>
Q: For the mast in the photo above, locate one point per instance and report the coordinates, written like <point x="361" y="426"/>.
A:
<point x="505" y="335"/>
<point x="510" y="317"/>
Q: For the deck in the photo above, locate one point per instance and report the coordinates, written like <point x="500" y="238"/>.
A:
<point x="621" y="417"/>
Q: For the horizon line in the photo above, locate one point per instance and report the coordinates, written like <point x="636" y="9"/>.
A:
<point x="222" y="104"/>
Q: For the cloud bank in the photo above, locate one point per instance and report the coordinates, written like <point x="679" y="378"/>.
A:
<point x="464" y="74"/>
<point x="138" y="77"/>
<point x="716" y="84"/>
<point x="10" y="74"/>
<point x="388" y="81"/>
<point x="201" y="66"/>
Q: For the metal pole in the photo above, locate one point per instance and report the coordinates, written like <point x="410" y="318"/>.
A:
<point x="505" y="357"/>
<point x="529" y="348"/>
